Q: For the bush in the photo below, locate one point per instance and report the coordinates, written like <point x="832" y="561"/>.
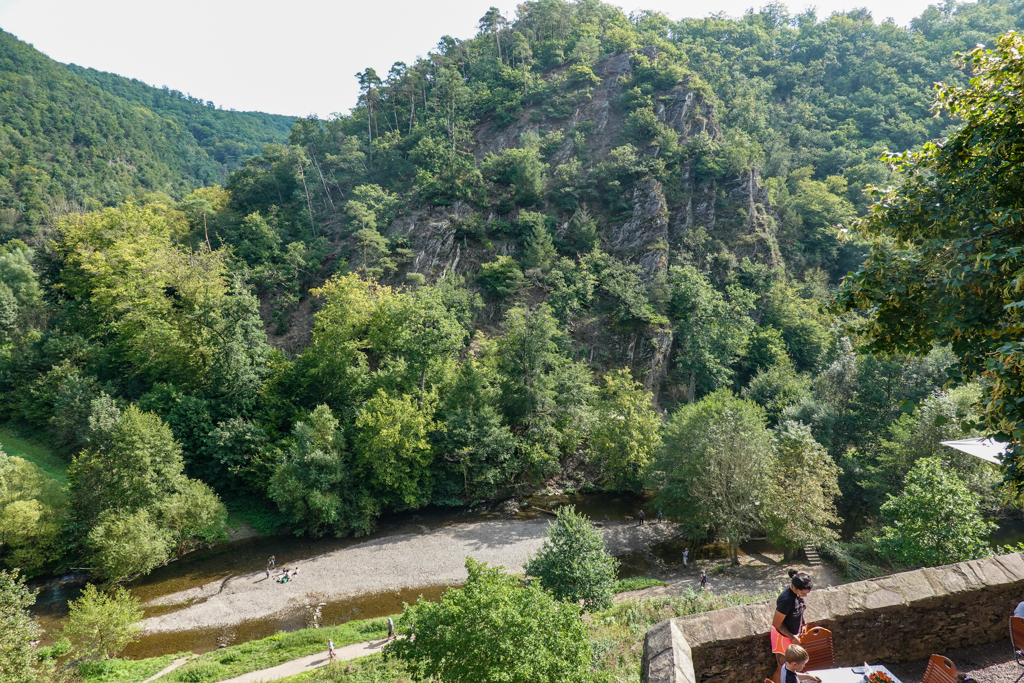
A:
<point x="502" y="276"/>
<point x="573" y="563"/>
<point x="199" y="672"/>
<point x="636" y="583"/>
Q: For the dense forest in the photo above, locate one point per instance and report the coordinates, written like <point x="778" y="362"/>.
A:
<point x="74" y="139"/>
<point x="561" y="253"/>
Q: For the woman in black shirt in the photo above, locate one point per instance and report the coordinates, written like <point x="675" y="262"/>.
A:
<point x="788" y="624"/>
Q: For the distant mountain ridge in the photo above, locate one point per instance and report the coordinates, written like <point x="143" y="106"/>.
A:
<point x="74" y="137"/>
<point x="228" y="136"/>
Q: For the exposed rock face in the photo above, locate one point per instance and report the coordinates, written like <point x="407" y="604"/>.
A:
<point x="735" y="213"/>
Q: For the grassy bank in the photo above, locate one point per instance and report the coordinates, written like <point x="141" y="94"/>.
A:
<point x="239" y="659"/>
<point x="35" y="452"/>
<point x="617" y="634"/>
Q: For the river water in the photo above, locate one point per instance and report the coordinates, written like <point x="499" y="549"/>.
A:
<point x="246" y="555"/>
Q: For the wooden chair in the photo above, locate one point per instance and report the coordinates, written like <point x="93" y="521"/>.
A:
<point x="1017" y="641"/>
<point x="818" y="643"/>
<point x="940" y="670"/>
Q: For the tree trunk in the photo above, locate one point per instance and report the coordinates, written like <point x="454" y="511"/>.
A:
<point x="691" y="392"/>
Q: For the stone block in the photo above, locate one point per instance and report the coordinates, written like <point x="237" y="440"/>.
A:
<point x="915" y="586"/>
<point x="1013" y="565"/>
<point x="730" y="624"/>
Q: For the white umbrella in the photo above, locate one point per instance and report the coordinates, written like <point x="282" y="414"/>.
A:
<point x="982" y="447"/>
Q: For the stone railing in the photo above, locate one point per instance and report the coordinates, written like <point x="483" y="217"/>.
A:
<point x="894" y="618"/>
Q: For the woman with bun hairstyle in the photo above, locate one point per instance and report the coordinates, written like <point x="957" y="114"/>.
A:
<point x="788" y="624"/>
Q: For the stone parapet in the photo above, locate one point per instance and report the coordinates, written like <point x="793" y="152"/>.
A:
<point x="894" y="618"/>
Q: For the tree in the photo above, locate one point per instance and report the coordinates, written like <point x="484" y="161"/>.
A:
<point x="540" y="248"/>
<point x="809" y="478"/>
<point x="935" y="520"/>
<point x="573" y="563"/>
<point x="627" y="429"/>
<point x="947" y="248"/>
<point x="125" y="545"/>
<point x="710" y="327"/>
<point x="493" y="630"/>
<point x="717" y="467"/>
<point x="132" y="461"/>
<point x="392" y="449"/>
<point x="100" y="625"/>
<point x="32" y="509"/>
<point x="314" y="482"/>
<point x="17" y="629"/>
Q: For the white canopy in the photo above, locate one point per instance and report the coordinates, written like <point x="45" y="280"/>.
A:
<point x="982" y="447"/>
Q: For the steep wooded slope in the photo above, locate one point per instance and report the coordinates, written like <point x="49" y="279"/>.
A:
<point x="66" y="143"/>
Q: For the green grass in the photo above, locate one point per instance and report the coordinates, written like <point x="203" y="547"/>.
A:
<point x="370" y="669"/>
<point x="277" y="649"/>
<point x="123" y="670"/>
<point x="238" y="659"/>
<point x="637" y="583"/>
<point x="36" y="453"/>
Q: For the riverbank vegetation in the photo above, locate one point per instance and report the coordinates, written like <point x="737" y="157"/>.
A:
<point x="579" y="249"/>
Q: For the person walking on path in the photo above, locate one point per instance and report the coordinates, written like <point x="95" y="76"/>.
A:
<point x="703" y="580"/>
<point x="391" y="629"/>
<point x="640" y="518"/>
<point x="330" y="649"/>
<point x="686" y="556"/>
<point x="788" y="621"/>
<point x="659" y="515"/>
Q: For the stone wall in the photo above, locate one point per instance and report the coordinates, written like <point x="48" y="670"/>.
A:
<point x="892" y="619"/>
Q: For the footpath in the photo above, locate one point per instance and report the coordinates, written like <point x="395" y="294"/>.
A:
<point x="309" y="662"/>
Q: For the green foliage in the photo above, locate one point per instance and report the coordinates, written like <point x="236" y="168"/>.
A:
<point x="17" y="629"/>
<point x="493" y="629"/>
<point x="636" y="583"/>
<point x="32" y="509"/>
<point x="540" y="248"/>
<point x="712" y="329"/>
<point x="573" y="564"/>
<point x="502" y="276"/>
<point x="125" y="545"/>
<point x="943" y="255"/>
<point x="393" y="451"/>
<point x="935" y="520"/>
<point x="314" y="482"/>
<point x="627" y="430"/>
<point x="808" y="480"/>
<point x="130" y="499"/>
<point x="101" y="625"/>
<point x="716" y="471"/>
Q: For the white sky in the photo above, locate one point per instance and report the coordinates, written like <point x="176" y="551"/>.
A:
<point x="292" y="58"/>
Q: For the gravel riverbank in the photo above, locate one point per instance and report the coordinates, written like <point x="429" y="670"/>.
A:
<point x="429" y="558"/>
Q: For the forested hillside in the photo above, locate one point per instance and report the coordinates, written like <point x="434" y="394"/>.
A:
<point x="569" y="251"/>
<point x="74" y="138"/>
<point x="228" y="136"/>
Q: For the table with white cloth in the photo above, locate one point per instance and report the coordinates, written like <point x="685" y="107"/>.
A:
<point x="846" y="674"/>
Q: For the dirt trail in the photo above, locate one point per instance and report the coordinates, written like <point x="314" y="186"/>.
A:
<point x="758" y="573"/>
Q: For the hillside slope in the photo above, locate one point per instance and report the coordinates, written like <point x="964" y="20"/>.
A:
<point x="66" y="143"/>
<point x="229" y="137"/>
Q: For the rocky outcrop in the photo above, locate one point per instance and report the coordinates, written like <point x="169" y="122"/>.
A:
<point x="651" y="235"/>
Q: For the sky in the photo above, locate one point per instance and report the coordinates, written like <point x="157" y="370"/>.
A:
<point x="295" y="58"/>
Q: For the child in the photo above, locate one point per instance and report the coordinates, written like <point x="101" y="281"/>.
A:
<point x="796" y="660"/>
